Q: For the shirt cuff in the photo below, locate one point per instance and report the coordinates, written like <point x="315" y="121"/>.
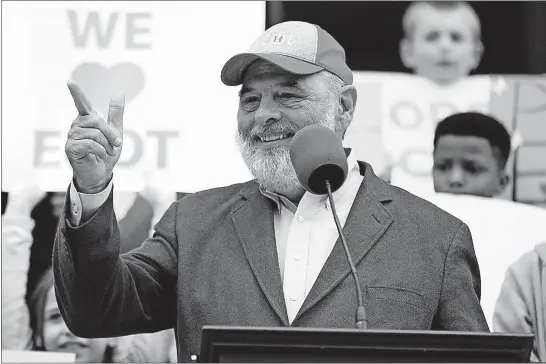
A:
<point x="83" y="205"/>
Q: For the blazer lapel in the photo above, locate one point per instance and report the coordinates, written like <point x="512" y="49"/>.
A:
<point x="366" y="223"/>
<point x="254" y="224"/>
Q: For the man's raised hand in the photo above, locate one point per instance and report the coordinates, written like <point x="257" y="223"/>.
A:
<point x="94" y="144"/>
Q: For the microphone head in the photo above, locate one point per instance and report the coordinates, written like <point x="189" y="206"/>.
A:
<point x="317" y="155"/>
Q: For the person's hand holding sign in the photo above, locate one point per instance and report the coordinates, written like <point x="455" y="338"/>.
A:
<point x="94" y="144"/>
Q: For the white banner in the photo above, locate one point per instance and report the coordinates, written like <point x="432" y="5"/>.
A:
<point x="180" y="120"/>
<point x="502" y="232"/>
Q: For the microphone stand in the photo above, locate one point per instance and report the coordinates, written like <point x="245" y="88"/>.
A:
<point x="361" y="317"/>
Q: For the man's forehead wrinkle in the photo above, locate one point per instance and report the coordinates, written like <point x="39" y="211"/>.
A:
<point x="262" y="70"/>
<point x="297" y="84"/>
<point x="284" y="79"/>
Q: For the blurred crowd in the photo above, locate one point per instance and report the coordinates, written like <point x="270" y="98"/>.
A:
<point x="442" y="42"/>
<point x="31" y="319"/>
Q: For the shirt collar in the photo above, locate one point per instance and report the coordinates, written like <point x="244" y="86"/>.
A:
<point x="279" y="200"/>
<point x="352" y="174"/>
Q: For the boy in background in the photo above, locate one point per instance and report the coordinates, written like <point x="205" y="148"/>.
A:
<point x="470" y="154"/>
<point x="442" y="40"/>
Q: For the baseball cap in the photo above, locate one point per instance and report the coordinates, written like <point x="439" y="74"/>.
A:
<point x="296" y="47"/>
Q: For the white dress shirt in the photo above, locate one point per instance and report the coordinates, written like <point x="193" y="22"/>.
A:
<point x="305" y="234"/>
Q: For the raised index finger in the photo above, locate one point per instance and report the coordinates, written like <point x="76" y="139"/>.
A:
<point x="80" y="100"/>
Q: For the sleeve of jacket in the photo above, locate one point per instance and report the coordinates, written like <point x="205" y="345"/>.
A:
<point x="136" y="225"/>
<point x="104" y="294"/>
<point x="511" y="312"/>
<point x="459" y="305"/>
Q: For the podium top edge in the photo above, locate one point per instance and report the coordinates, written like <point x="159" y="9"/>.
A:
<point x="357" y="331"/>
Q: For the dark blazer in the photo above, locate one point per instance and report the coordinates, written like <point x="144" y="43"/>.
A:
<point x="213" y="260"/>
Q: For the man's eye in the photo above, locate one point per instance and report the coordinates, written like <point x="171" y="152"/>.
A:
<point x="287" y="95"/>
<point x="250" y="99"/>
<point x="441" y="167"/>
<point x="250" y="103"/>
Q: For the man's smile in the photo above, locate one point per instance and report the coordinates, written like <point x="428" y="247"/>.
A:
<point x="270" y="140"/>
<point x="274" y="137"/>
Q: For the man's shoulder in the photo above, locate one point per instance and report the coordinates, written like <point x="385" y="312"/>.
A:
<point x="421" y="209"/>
<point x="406" y="205"/>
<point x="216" y="197"/>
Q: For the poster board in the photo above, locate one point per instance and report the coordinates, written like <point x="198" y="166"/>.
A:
<point x="180" y="120"/>
<point x="397" y="113"/>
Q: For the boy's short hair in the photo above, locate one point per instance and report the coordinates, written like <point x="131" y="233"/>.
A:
<point x="477" y="125"/>
<point x="408" y="21"/>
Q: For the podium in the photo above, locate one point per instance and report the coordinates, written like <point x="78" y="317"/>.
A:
<point x="222" y="344"/>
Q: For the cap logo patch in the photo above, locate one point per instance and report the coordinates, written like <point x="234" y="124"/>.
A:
<point x="275" y="38"/>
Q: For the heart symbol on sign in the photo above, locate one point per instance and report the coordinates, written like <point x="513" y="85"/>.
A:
<point x="100" y="83"/>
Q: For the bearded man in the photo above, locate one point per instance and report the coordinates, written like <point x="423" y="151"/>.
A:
<point x="264" y="252"/>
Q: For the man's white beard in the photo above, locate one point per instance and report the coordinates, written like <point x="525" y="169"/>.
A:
<point x="272" y="167"/>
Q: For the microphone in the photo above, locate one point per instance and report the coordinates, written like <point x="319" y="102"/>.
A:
<point x="320" y="163"/>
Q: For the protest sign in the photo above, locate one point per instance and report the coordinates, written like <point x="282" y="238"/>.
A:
<point x="396" y="115"/>
<point x="180" y="120"/>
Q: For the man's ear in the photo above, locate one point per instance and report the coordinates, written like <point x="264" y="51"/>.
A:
<point x="406" y="53"/>
<point x="347" y="104"/>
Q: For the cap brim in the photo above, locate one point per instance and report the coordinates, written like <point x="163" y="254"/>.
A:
<point x="234" y="69"/>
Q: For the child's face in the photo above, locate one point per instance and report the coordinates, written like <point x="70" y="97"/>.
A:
<point x="442" y="47"/>
<point x="57" y="337"/>
<point x="467" y="165"/>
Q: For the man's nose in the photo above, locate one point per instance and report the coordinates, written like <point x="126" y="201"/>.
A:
<point x="267" y="113"/>
<point x="456" y="178"/>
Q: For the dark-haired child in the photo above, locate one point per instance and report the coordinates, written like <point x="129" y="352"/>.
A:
<point x="470" y="154"/>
